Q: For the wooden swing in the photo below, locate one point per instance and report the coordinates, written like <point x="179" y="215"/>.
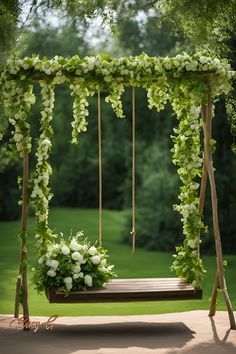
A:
<point x="138" y="289"/>
<point x="126" y="290"/>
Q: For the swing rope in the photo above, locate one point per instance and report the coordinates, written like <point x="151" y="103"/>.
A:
<point x="133" y="232"/>
<point x="99" y="170"/>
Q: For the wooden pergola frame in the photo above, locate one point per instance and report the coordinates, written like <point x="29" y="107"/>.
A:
<point x="208" y="172"/>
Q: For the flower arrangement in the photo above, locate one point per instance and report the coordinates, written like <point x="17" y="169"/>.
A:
<point x="73" y="264"/>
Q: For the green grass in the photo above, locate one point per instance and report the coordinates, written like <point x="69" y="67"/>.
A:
<point x="143" y="264"/>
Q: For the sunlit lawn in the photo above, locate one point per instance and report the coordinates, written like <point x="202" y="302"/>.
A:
<point x="143" y="264"/>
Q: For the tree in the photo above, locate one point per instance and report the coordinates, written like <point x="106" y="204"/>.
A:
<point x="9" y="13"/>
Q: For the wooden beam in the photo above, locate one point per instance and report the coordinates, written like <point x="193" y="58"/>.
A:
<point x="22" y="284"/>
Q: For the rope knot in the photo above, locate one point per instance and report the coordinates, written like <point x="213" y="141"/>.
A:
<point x="133" y="233"/>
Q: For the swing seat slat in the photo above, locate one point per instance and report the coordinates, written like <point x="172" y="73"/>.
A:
<point x="129" y="290"/>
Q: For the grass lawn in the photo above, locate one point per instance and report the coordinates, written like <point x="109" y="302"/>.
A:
<point x="143" y="264"/>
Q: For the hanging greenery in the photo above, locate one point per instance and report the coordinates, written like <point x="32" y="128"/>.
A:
<point x="41" y="194"/>
<point x="180" y="80"/>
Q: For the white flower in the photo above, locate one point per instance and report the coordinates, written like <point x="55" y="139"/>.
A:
<point x="51" y="273"/>
<point x="68" y="282"/>
<point x="92" y="250"/>
<point x="88" y="280"/>
<point x="46" y="142"/>
<point x="54" y="264"/>
<point x="77" y="268"/>
<point x="75" y="246"/>
<point x="75" y="276"/>
<point x="81" y="275"/>
<point x="53" y="247"/>
<point x="95" y="259"/>
<point x="192" y="243"/>
<point x="48" y="262"/>
<point x="65" y="250"/>
<point x="76" y="256"/>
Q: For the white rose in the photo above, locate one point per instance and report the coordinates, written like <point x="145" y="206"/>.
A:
<point x="76" y="256"/>
<point x="75" y="246"/>
<point x="95" y="259"/>
<point x="92" y="251"/>
<point x="81" y="275"/>
<point x="68" y="282"/>
<point x="65" y="250"/>
<point x="75" y="276"/>
<point x="51" y="273"/>
<point x="88" y="280"/>
<point x="54" y="264"/>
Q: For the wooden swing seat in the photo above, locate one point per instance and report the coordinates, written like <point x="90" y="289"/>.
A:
<point x="129" y="290"/>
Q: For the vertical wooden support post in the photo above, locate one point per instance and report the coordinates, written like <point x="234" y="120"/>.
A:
<point x="202" y="195"/>
<point x="21" y="285"/>
<point x="99" y="170"/>
<point x="202" y="199"/>
<point x="207" y="112"/>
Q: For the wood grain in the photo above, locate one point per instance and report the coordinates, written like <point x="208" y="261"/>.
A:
<point x="129" y="290"/>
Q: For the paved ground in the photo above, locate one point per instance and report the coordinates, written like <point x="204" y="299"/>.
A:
<point x="190" y="332"/>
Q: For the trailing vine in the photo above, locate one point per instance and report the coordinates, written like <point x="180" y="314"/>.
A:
<point x="41" y="193"/>
<point x="187" y="155"/>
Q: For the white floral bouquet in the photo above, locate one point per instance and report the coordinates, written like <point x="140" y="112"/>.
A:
<point x="73" y="264"/>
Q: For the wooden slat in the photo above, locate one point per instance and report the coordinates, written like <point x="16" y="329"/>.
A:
<point x="128" y="290"/>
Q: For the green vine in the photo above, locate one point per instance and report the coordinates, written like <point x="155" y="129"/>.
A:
<point x="41" y="194"/>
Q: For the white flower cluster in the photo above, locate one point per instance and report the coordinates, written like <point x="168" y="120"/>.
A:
<point x="80" y="110"/>
<point x="18" y="102"/>
<point x="114" y="97"/>
<point x="158" y="93"/>
<point x="74" y="264"/>
<point x="41" y="194"/>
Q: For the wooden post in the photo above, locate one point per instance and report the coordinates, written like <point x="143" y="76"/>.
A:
<point x="207" y="112"/>
<point x="21" y="284"/>
<point x="214" y="296"/>
<point x="202" y="200"/>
